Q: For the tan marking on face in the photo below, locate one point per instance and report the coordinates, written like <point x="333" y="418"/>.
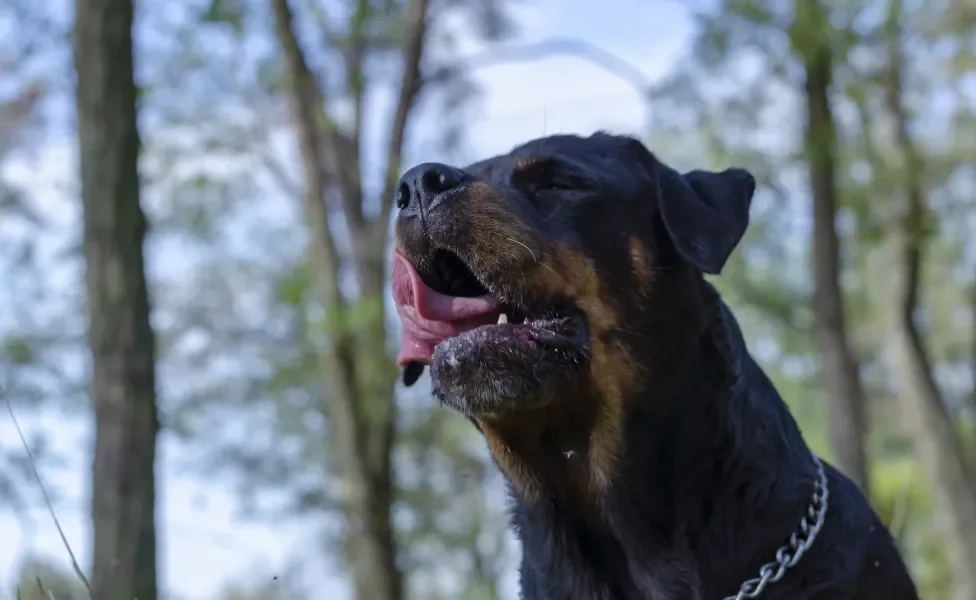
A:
<point x="506" y="241"/>
<point x="510" y="460"/>
<point x="502" y="237"/>
<point x="526" y="162"/>
<point x="612" y="370"/>
<point x="641" y="262"/>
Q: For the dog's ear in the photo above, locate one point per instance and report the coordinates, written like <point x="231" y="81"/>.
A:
<point x="705" y="213"/>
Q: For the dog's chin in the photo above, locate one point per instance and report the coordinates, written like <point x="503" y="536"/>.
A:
<point x="497" y="371"/>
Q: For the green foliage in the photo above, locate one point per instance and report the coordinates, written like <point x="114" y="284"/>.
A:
<point x="907" y="509"/>
<point x="245" y="329"/>
<point x="272" y="588"/>
<point x="19" y="351"/>
<point x="41" y="579"/>
<point x="242" y="333"/>
<point x="767" y="282"/>
<point x="229" y="12"/>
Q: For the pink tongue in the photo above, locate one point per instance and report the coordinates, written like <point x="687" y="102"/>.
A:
<point x="429" y="317"/>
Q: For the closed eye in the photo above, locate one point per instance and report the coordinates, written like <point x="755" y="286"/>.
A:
<point x="556" y="184"/>
<point x="545" y="175"/>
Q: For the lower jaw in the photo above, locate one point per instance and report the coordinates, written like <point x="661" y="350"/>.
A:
<point x="560" y="333"/>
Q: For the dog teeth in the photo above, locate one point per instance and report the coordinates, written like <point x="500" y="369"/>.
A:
<point x="502" y="319"/>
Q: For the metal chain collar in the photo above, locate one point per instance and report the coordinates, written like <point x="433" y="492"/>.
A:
<point x="800" y="541"/>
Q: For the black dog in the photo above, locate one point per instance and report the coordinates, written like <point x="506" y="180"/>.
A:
<point x="556" y="293"/>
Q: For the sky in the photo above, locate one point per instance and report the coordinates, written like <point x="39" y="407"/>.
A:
<point x="203" y="543"/>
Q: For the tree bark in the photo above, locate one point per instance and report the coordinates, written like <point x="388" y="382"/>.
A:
<point x="972" y="346"/>
<point x="839" y="366"/>
<point x="360" y="375"/>
<point x="936" y="437"/>
<point x="120" y="336"/>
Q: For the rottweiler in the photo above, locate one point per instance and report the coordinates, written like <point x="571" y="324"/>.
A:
<point x="557" y="294"/>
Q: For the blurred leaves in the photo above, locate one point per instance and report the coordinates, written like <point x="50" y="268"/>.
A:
<point x="240" y="331"/>
<point x="700" y="112"/>
<point x="230" y="12"/>
<point x="40" y="579"/>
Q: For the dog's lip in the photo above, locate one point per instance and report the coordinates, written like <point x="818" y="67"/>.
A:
<point x="427" y="306"/>
<point x="429" y="318"/>
<point x="539" y="335"/>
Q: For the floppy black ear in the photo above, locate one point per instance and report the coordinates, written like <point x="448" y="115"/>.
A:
<point x="705" y="213"/>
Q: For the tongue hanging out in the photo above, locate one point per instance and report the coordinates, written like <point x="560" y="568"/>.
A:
<point x="429" y="317"/>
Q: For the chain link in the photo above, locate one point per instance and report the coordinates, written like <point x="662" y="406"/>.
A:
<point x="800" y="541"/>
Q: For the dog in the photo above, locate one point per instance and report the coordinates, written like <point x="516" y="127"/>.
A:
<point x="557" y="295"/>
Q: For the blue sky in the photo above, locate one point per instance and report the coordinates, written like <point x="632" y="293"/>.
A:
<point x="202" y="543"/>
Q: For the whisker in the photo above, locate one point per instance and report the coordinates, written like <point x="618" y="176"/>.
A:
<point x="524" y="246"/>
<point x="624" y="350"/>
<point x="631" y="332"/>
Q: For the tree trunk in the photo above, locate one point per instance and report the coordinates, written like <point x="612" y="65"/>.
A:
<point x="839" y="367"/>
<point x="972" y="345"/>
<point x="360" y="374"/>
<point x="121" y="339"/>
<point x="937" y="440"/>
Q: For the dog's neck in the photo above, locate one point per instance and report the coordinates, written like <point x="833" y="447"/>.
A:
<point x="692" y="446"/>
<point x="688" y="380"/>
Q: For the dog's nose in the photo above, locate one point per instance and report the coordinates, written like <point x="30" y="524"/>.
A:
<point x="426" y="185"/>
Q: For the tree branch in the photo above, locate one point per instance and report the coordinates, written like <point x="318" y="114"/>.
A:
<point x="913" y="221"/>
<point x="811" y="41"/>
<point x="409" y="88"/>
<point x="332" y="145"/>
<point x="356" y="80"/>
<point x="411" y="82"/>
<point x="306" y="103"/>
<point x="325" y="259"/>
<point x="561" y="46"/>
<point x="936" y="436"/>
<point x="366" y="498"/>
<point x="972" y="333"/>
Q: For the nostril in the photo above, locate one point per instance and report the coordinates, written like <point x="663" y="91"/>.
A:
<point x="425" y="185"/>
<point x="437" y="180"/>
<point x="403" y="196"/>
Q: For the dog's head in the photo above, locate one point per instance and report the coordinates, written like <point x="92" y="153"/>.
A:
<point x="528" y="278"/>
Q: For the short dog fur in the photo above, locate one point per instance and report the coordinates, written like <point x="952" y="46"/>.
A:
<point x="647" y="454"/>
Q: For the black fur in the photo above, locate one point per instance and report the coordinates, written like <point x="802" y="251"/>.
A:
<point x="704" y="498"/>
<point x="654" y="460"/>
